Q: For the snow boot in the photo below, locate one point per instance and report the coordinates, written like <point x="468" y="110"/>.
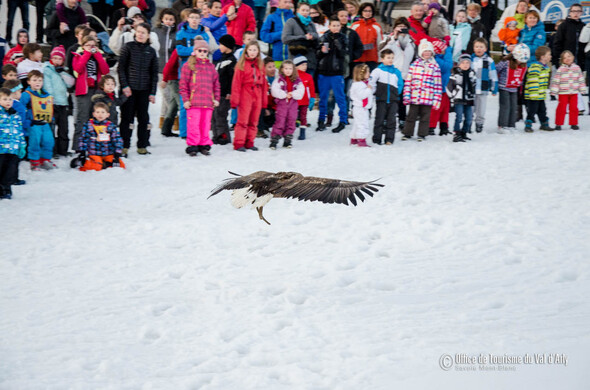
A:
<point x="444" y="129"/>
<point x="125" y="152"/>
<point x="192" y="150"/>
<point x="420" y="138"/>
<point x="47" y="164"/>
<point x="478" y="128"/>
<point x="205" y="149"/>
<point x="528" y="128"/>
<point x="558" y="128"/>
<point x="458" y="137"/>
<point x="242" y="149"/>
<point x="406" y="137"/>
<point x="431" y="131"/>
<point x="253" y="148"/>
<point x="354" y="141"/>
<point x="301" y="134"/>
<point x="35" y="165"/>
<point x="339" y="128"/>
<point x="287" y="141"/>
<point x="465" y="137"/>
<point x="321" y="126"/>
<point x="575" y="127"/>
<point x="545" y="126"/>
<point x="363" y="143"/>
<point x="329" y="121"/>
<point x="274" y="141"/>
<point x="142" y="151"/>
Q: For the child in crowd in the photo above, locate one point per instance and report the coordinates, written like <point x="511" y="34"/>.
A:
<point x="166" y="33"/>
<point x="89" y="67"/>
<point x="308" y="100"/>
<point x="247" y="37"/>
<point x="437" y="25"/>
<point x="16" y="88"/>
<point x="487" y="80"/>
<point x="511" y="72"/>
<point x="15" y="55"/>
<point x="361" y="96"/>
<point x="225" y="69"/>
<point x="200" y="91"/>
<point x="461" y="91"/>
<point x="509" y="34"/>
<point x="287" y="89"/>
<point x="106" y="94"/>
<point x="248" y="95"/>
<point x="535" y="89"/>
<point x="56" y="82"/>
<point x="12" y="143"/>
<point x="101" y="144"/>
<point x="460" y="34"/>
<point x="39" y="106"/>
<point x="33" y="57"/>
<point x="9" y="72"/>
<point x="422" y="91"/>
<point x="566" y="84"/>
<point x="440" y="116"/>
<point x="80" y="32"/>
<point x="267" y="116"/>
<point x="387" y="84"/>
<point x="333" y="50"/>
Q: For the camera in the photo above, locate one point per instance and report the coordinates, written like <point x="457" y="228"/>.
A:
<point x="128" y="20"/>
<point x="404" y="31"/>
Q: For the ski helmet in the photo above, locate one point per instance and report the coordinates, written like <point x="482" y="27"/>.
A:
<point x="521" y="53"/>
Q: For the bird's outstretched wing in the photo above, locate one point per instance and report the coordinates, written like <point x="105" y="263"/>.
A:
<point x="239" y="182"/>
<point x="326" y="190"/>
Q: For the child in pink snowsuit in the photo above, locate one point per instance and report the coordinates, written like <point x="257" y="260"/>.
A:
<point x="287" y="89"/>
<point x="200" y="91"/>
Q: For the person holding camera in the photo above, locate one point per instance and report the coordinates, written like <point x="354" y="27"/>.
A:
<point x="89" y="66"/>
<point x="125" y="31"/>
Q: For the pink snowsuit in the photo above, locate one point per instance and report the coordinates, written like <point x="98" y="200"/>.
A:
<point x="287" y="109"/>
<point x="199" y="87"/>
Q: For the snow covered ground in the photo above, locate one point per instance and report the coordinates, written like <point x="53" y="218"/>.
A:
<point x="132" y="279"/>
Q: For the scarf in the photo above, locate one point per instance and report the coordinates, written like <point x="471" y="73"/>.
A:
<point x="467" y="85"/>
<point x="305" y="20"/>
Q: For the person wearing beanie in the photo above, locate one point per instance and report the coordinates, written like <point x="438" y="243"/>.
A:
<point x="225" y="68"/>
<point x="56" y="82"/>
<point x="440" y="117"/>
<point x="422" y="91"/>
<point x="308" y="100"/>
<point x="461" y="91"/>
<point x="437" y="25"/>
<point x="200" y="91"/>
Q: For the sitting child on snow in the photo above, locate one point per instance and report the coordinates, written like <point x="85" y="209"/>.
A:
<point x="100" y="144"/>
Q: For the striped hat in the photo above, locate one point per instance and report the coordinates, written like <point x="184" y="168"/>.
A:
<point x="58" y="51"/>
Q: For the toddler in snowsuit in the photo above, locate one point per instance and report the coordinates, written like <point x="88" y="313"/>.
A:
<point x="361" y="95"/>
<point x="535" y="89"/>
<point x="12" y="143"/>
<point x="287" y="89"/>
<point x="461" y="91"/>
<point x="308" y="99"/>
<point x="566" y="84"/>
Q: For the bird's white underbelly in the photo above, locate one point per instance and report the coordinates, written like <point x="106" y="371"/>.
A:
<point x="243" y="197"/>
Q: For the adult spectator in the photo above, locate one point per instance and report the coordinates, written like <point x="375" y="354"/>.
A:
<point x="40" y="25"/>
<point x="147" y="8"/>
<point x="402" y="45"/>
<point x="511" y="10"/>
<point x="61" y="33"/>
<point x="260" y="12"/>
<point x="301" y="37"/>
<point x="138" y="76"/>
<point x="387" y="7"/>
<point x="533" y="34"/>
<point x="489" y="16"/>
<point x="249" y="3"/>
<point x="330" y="7"/>
<point x="417" y="31"/>
<point x="272" y="30"/>
<point x="215" y="21"/>
<point x="371" y="35"/>
<point x="244" y="20"/>
<point x="352" y="7"/>
<point x="319" y="20"/>
<point x="568" y="34"/>
<point x="125" y="33"/>
<point x="23" y="5"/>
<point x="478" y="29"/>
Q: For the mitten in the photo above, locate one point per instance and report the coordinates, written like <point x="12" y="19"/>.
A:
<point x="22" y="151"/>
<point x="311" y="103"/>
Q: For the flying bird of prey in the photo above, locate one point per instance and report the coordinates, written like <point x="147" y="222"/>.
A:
<point x="258" y="188"/>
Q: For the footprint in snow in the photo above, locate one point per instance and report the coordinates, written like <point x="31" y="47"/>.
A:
<point x="158" y="310"/>
<point x="149" y="335"/>
<point x="567" y="276"/>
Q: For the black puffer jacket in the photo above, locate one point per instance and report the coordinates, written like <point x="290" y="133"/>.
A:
<point x="138" y="67"/>
<point x="332" y="63"/>
<point x="567" y="38"/>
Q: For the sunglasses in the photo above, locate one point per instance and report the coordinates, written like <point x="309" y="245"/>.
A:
<point x="202" y="51"/>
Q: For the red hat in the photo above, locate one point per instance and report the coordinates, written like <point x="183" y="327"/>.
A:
<point x="439" y="46"/>
<point x="58" y="51"/>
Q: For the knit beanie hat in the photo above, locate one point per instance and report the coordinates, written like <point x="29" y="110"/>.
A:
<point x="58" y="51"/>
<point x="425" y="45"/>
<point x="228" y="41"/>
<point x="439" y="46"/>
<point x="436" y="6"/>
<point x="464" y="57"/>
<point x="299" y="60"/>
<point x="201" y="44"/>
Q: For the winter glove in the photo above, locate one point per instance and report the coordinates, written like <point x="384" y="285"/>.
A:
<point x="311" y="103"/>
<point x="116" y="160"/>
<point x="22" y="151"/>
